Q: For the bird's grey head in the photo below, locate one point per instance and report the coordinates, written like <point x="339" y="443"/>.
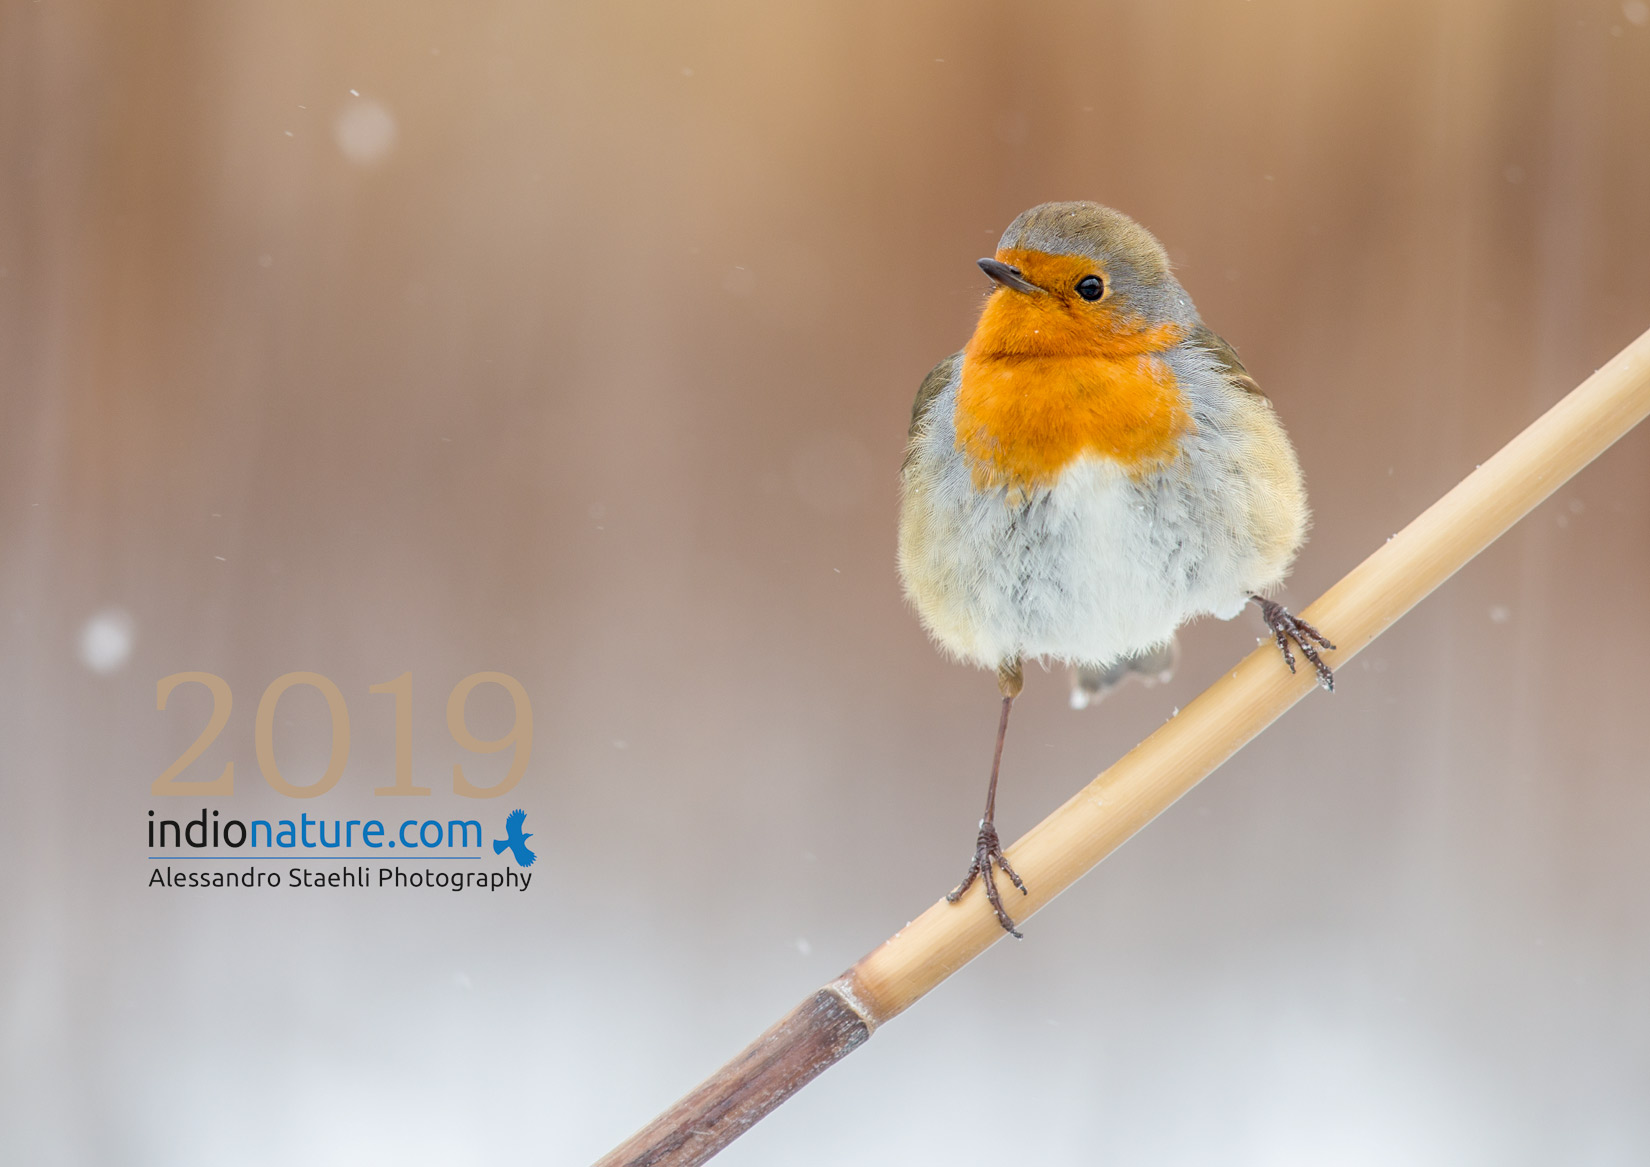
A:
<point x="1135" y="265"/>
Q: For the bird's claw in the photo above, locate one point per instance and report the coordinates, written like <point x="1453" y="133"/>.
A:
<point x="1286" y="626"/>
<point x="988" y="852"/>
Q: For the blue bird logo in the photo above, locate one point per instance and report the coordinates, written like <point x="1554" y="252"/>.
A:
<point x="516" y="839"/>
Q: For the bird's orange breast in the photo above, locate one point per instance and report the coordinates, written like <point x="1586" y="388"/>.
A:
<point x="1048" y="378"/>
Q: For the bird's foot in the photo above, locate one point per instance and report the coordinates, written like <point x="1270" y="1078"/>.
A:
<point x="988" y="851"/>
<point x="1286" y="626"/>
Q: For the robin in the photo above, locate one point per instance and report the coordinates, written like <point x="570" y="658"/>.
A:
<point x="1093" y="470"/>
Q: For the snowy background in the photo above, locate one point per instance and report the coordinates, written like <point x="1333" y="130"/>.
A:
<point x="577" y="342"/>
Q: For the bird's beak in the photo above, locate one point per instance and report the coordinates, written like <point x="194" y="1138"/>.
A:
<point x="1007" y="276"/>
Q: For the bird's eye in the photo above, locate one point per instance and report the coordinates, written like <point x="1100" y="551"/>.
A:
<point x="1091" y="287"/>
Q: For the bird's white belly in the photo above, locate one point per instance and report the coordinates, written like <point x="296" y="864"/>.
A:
<point x="1096" y="567"/>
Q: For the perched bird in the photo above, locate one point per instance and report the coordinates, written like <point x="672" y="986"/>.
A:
<point x="1094" y="469"/>
<point x="515" y="839"/>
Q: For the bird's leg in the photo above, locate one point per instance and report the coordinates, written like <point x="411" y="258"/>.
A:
<point x="1285" y="627"/>
<point x="988" y="848"/>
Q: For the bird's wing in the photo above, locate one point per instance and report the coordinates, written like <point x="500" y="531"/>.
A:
<point x="938" y="377"/>
<point x="513" y="823"/>
<point x="1226" y="358"/>
<point x="521" y="850"/>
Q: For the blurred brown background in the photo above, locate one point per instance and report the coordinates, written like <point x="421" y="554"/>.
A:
<point x="577" y="342"/>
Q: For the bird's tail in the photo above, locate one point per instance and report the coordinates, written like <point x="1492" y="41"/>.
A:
<point x="1089" y="683"/>
<point x="499" y="845"/>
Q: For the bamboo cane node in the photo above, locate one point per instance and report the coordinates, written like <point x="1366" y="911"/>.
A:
<point x="798" y="1048"/>
<point x="843" y="987"/>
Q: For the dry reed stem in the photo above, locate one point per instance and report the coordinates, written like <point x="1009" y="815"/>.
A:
<point x="1146" y="781"/>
